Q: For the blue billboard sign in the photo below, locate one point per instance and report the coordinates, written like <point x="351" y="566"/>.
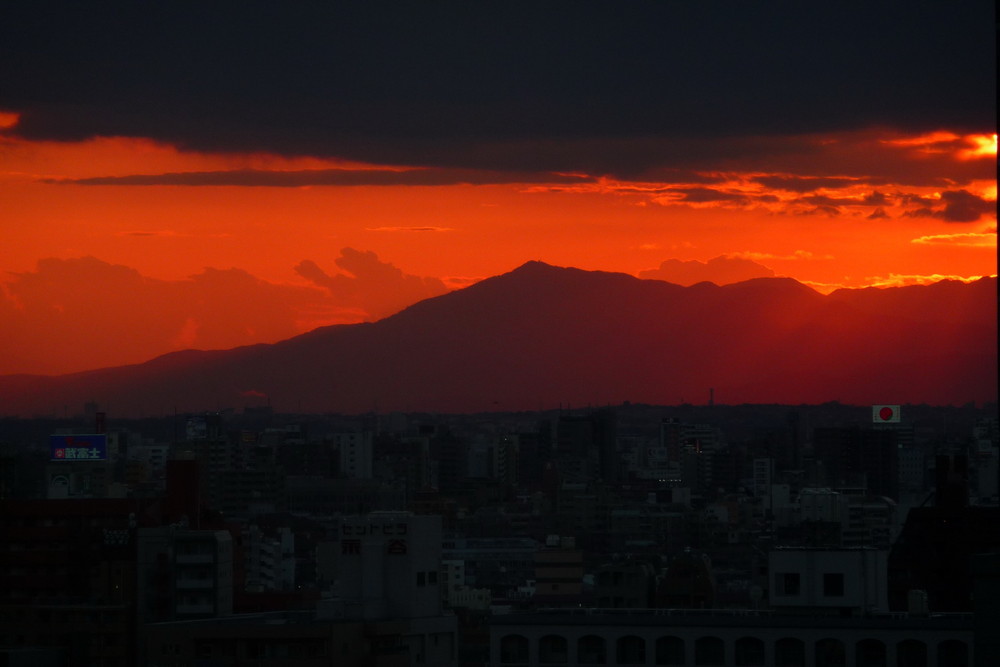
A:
<point x="79" y="447"/>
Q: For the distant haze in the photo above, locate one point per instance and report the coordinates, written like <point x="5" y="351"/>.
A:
<point x="541" y="336"/>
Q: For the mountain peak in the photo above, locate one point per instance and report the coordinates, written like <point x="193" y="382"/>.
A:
<point x="541" y="335"/>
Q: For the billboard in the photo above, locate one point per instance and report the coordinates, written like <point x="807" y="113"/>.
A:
<point x="885" y="414"/>
<point x="93" y="447"/>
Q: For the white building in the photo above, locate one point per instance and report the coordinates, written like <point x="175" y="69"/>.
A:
<point x="270" y="558"/>
<point x="810" y="580"/>
<point x="355" y="453"/>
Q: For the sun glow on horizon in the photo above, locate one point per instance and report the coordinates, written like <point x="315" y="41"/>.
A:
<point x="851" y="210"/>
<point x="983" y="146"/>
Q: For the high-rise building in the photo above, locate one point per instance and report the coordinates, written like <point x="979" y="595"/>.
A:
<point x="587" y="445"/>
<point x="356" y="453"/>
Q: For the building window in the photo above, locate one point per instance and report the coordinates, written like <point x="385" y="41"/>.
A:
<point x="513" y="649"/>
<point x="420" y="578"/>
<point x="833" y="584"/>
<point x="787" y="583"/>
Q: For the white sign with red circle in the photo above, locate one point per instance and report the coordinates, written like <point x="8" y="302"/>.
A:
<point x="885" y="414"/>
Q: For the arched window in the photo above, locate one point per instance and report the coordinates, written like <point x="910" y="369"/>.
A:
<point x="553" y="650"/>
<point x="830" y="653"/>
<point x="953" y="653"/>
<point x="590" y="650"/>
<point x="670" y="651"/>
<point x="709" y="651"/>
<point x="631" y="650"/>
<point x="750" y="651"/>
<point x="911" y="653"/>
<point x="870" y="653"/>
<point x="789" y="652"/>
<point x="513" y="649"/>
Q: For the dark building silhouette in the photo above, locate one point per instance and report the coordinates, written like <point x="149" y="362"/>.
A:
<point x="852" y="456"/>
<point x="590" y="440"/>
<point x="452" y="456"/>
<point x="67" y="578"/>
<point x="935" y="550"/>
<point x="951" y="480"/>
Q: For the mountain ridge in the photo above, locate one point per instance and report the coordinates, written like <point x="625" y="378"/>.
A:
<point x="541" y="335"/>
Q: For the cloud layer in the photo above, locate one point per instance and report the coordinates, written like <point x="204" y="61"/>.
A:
<point x="116" y="315"/>
<point x="594" y="86"/>
<point x="720" y="270"/>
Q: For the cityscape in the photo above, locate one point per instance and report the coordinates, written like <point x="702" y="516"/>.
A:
<point x="379" y="334"/>
<point x="628" y="534"/>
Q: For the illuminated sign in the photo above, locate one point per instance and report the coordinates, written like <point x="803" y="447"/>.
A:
<point x="78" y="447"/>
<point x="885" y="414"/>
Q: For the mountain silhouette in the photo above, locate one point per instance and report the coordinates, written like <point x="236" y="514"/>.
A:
<point x="541" y="336"/>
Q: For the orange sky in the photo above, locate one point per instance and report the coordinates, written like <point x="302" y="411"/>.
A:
<point x="851" y="209"/>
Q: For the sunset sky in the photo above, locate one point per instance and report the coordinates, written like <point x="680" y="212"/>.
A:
<point x="208" y="175"/>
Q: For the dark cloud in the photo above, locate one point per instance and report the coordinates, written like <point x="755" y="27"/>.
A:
<point x="963" y="206"/>
<point x="953" y="206"/>
<point x="680" y="176"/>
<point x="910" y="199"/>
<point x="876" y="199"/>
<point x="707" y="195"/>
<point x="598" y="87"/>
<point x="878" y="214"/>
<point x="831" y="202"/>
<point x="720" y="270"/>
<point x="825" y="209"/>
<point x="803" y="183"/>
<point x="339" y="177"/>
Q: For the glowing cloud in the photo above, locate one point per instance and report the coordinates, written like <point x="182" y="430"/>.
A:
<point x="721" y="270"/>
<point x="8" y="119"/>
<point x="902" y="280"/>
<point x="969" y="239"/>
<point x="982" y="147"/>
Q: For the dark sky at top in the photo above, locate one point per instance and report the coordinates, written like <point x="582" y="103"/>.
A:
<point x="604" y="87"/>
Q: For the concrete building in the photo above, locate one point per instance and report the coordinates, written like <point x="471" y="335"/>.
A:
<point x="817" y="581"/>
<point x="727" y="638"/>
<point x="356" y="451"/>
<point x="763" y="476"/>
<point x="865" y="457"/>
<point x="559" y="572"/>
<point x="184" y="573"/>
<point x="270" y="558"/>
<point x="67" y="581"/>
<point x="389" y="564"/>
<point x="627" y="584"/>
<point x="319" y="638"/>
<point x="499" y="564"/>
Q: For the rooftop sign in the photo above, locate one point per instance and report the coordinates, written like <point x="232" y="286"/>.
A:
<point x="92" y="447"/>
<point x="885" y="414"/>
